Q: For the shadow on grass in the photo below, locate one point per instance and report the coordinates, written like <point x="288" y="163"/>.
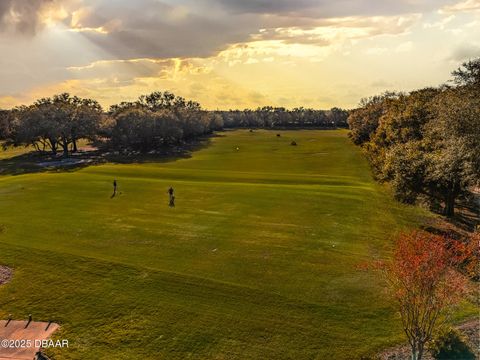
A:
<point x="467" y="218"/>
<point x="465" y="221"/>
<point x="34" y="162"/>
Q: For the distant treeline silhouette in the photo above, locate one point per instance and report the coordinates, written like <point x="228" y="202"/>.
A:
<point x="426" y="143"/>
<point x="278" y="117"/>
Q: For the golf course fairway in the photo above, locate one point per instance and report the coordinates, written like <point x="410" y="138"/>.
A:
<point x="258" y="260"/>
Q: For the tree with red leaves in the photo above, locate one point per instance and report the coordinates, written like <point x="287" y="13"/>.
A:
<point x="423" y="280"/>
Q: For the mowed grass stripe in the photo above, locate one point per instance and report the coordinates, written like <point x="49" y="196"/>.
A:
<point x="155" y="173"/>
<point x="142" y="223"/>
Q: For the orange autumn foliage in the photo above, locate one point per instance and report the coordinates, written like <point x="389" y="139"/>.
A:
<point x="422" y="278"/>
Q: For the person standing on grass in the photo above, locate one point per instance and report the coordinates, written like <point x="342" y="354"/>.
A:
<point x="171" y="193"/>
<point x="114" y="188"/>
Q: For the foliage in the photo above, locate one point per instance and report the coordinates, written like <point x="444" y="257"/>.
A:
<point x="166" y="100"/>
<point x="422" y="279"/>
<point x="364" y="121"/>
<point x="55" y="122"/>
<point x="5" y="124"/>
<point x="467" y="254"/>
<point x="426" y="143"/>
<point x="144" y="130"/>
<point x="277" y="117"/>
<point x="468" y="74"/>
<point x="158" y="120"/>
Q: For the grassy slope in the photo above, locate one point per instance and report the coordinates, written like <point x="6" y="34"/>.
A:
<point x="257" y="260"/>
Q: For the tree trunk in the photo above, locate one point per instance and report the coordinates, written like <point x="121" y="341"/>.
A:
<point x="420" y="352"/>
<point x="414" y="352"/>
<point x="65" y="147"/>
<point x="53" y="146"/>
<point x="74" y="142"/>
<point x="35" y="145"/>
<point x="450" y="204"/>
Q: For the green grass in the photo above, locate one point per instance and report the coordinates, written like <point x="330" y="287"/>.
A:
<point x="257" y="261"/>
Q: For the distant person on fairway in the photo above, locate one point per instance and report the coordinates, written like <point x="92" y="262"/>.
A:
<point x="171" y="193"/>
<point x="114" y="188"/>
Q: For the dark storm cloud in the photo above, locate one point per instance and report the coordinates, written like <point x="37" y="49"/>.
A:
<point x="21" y="16"/>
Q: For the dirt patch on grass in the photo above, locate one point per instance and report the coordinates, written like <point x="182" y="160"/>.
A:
<point x="6" y="274"/>
<point x="470" y="330"/>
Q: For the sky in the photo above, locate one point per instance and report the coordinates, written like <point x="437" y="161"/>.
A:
<point x="232" y="53"/>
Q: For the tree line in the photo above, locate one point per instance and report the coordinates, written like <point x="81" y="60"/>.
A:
<point x="150" y="123"/>
<point x="51" y="124"/>
<point x="279" y="117"/>
<point x="426" y="143"/>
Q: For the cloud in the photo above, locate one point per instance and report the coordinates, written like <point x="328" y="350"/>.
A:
<point x="124" y="71"/>
<point x="154" y="29"/>
<point x="28" y="16"/>
<point x="465" y="52"/>
<point x="211" y="90"/>
<point x="265" y="6"/>
<point x="328" y="8"/>
<point x="331" y="31"/>
<point x="462" y="6"/>
<point x="202" y="28"/>
<point x="441" y="24"/>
